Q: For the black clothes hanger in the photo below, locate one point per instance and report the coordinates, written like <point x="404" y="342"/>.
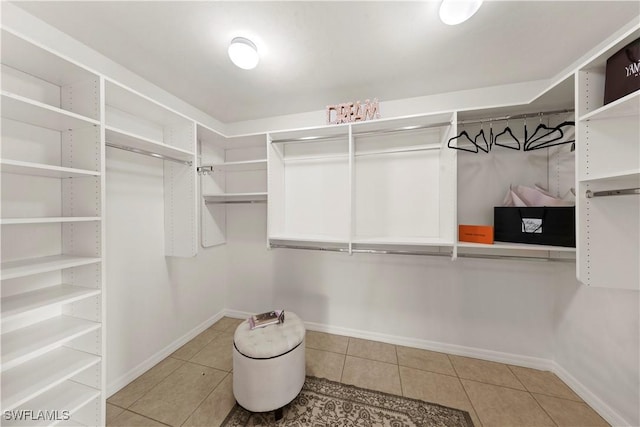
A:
<point x="466" y="136"/>
<point x="483" y="141"/>
<point x="553" y="141"/>
<point x="512" y="138"/>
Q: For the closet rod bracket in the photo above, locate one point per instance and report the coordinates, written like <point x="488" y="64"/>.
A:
<point x="623" y="192"/>
<point x="204" y="170"/>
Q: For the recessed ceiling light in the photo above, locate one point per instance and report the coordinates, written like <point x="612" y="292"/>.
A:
<point x="243" y="53"/>
<point x="453" y="12"/>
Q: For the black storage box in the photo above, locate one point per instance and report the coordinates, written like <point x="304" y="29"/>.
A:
<point x="555" y="226"/>
<point x="622" y="75"/>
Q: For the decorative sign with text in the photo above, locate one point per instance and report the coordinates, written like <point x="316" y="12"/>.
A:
<point x="353" y="112"/>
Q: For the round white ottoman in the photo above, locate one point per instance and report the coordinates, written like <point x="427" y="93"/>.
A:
<point x="268" y="364"/>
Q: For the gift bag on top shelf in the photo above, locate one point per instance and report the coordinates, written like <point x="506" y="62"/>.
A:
<point x="622" y="75"/>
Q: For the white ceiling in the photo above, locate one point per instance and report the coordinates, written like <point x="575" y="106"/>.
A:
<point x="319" y="53"/>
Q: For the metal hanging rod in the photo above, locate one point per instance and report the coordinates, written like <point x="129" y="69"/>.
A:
<point x="148" y="153"/>
<point x="623" y="192"/>
<point x="400" y="150"/>
<point x="515" y="116"/>
<point x="364" y="133"/>
<point x="422" y="253"/>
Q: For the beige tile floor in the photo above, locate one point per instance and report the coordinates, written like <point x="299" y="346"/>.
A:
<point x="193" y="386"/>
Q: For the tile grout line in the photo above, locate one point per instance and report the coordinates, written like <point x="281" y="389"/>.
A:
<point x="147" y="417"/>
<point x="517" y="378"/>
<point x="464" y="389"/>
<point x="543" y="410"/>
<point x="345" y="360"/>
<point x="399" y="375"/>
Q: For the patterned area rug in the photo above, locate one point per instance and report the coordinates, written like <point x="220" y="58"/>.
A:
<point x="324" y="403"/>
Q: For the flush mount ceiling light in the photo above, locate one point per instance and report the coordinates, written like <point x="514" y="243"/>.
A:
<point x="243" y="53"/>
<point x="453" y="12"/>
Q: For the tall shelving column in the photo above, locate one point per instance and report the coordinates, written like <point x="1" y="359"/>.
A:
<point x="608" y="243"/>
<point x="52" y="272"/>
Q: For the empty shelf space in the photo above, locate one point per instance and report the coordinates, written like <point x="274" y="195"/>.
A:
<point x="235" y="197"/>
<point x="35" y="377"/>
<point x="60" y="294"/>
<point x="245" y="165"/>
<point x="32" y="341"/>
<point x="626" y="106"/>
<point x="37" y="169"/>
<point x="27" y="267"/>
<point x="25" y="110"/>
<point x="69" y="396"/>
<point x="123" y="138"/>
<point x="47" y="220"/>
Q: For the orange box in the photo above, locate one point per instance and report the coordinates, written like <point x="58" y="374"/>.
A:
<point x="475" y="233"/>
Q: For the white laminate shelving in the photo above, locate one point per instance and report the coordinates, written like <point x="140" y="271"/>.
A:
<point x="69" y="395"/>
<point x="232" y="173"/>
<point x="127" y="139"/>
<point x="27" y="267"/>
<point x="498" y="246"/>
<point x="32" y="378"/>
<point x="53" y="187"/>
<point x="608" y="147"/>
<point x="29" y="342"/>
<point x="235" y="197"/>
<point x="47" y="220"/>
<point x="19" y="167"/>
<point x="23" y="303"/>
<point x="19" y="108"/>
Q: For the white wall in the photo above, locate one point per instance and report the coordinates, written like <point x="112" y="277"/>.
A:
<point x="154" y="303"/>
<point x="597" y="342"/>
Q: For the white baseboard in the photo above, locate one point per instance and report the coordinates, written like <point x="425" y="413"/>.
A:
<point x="604" y="410"/>
<point x="114" y="386"/>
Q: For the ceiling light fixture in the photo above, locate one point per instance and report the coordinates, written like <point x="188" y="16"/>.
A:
<point x="243" y="53"/>
<point x="454" y="12"/>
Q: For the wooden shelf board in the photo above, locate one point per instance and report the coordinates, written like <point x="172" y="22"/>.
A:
<point x="25" y="110"/>
<point x="27" y="267"/>
<point x="27" y="343"/>
<point x="127" y="139"/>
<point x="235" y="197"/>
<point x="69" y="395"/>
<point x="19" y="304"/>
<point x="48" y="220"/>
<point x="35" y="377"/>
<point x="624" y="107"/>
<point x="37" y="169"/>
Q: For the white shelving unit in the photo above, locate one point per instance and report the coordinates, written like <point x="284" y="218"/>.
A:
<point x="52" y="270"/>
<point x="139" y="124"/>
<point x="609" y="160"/>
<point x="232" y="174"/>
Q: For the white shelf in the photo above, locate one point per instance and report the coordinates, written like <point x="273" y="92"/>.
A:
<point x="37" y="169"/>
<point x="403" y="241"/>
<point x="246" y="165"/>
<point x="25" y="110"/>
<point x="35" y="377"/>
<point x="24" y="344"/>
<point x="308" y="239"/>
<point x="235" y="197"/>
<point x="48" y="220"/>
<point x="19" y="304"/>
<point x="627" y="106"/>
<point x="128" y="139"/>
<point x="69" y="395"/>
<point x="621" y="176"/>
<point x="27" y="267"/>
<point x="515" y="246"/>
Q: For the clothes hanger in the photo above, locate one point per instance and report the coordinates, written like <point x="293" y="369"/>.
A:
<point x="463" y="134"/>
<point x="541" y="132"/>
<point x="483" y="140"/>
<point x="507" y="131"/>
<point x="553" y="142"/>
